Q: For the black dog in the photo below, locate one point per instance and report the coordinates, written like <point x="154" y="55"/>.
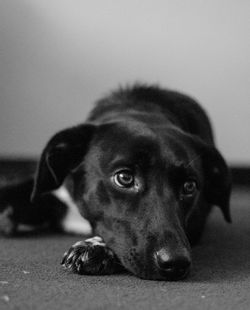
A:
<point x="143" y="170"/>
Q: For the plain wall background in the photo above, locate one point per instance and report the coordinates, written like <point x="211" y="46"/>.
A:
<point x="57" y="57"/>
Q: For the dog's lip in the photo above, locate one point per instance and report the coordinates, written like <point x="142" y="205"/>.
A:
<point x="182" y="274"/>
<point x="156" y="274"/>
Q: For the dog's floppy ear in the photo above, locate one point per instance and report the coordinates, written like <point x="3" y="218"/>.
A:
<point x="217" y="179"/>
<point x="63" y="153"/>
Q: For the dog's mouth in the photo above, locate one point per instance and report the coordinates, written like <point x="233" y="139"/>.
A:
<point x="149" y="268"/>
<point x="159" y="275"/>
<point x="174" y="275"/>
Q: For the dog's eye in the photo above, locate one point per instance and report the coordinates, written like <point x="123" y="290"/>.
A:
<point x="124" y="178"/>
<point x="189" y="188"/>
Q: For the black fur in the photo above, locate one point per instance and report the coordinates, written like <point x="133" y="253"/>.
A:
<point x="165" y="138"/>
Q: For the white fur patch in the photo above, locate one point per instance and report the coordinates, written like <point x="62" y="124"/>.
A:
<point x="6" y="224"/>
<point x="73" y="222"/>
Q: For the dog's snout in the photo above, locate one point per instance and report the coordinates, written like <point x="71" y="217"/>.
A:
<point x="172" y="266"/>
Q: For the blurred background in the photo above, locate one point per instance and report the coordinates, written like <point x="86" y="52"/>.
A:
<point x="57" y="57"/>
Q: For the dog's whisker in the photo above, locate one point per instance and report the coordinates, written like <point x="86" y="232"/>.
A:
<point x="192" y="160"/>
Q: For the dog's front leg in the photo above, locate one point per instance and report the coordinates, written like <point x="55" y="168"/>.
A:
<point x="91" y="257"/>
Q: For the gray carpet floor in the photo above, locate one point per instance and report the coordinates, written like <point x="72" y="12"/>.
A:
<point x="31" y="276"/>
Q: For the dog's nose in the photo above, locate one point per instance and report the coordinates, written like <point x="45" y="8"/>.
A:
<point x="172" y="266"/>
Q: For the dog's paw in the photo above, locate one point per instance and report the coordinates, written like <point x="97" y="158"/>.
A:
<point x="91" y="257"/>
<point x="7" y="225"/>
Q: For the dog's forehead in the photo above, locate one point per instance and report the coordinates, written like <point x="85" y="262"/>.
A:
<point x="132" y="142"/>
<point x="125" y="140"/>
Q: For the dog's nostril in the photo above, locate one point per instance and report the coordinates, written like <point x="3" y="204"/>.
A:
<point x="172" y="266"/>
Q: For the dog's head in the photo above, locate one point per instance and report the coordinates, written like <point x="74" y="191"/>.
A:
<point x="146" y="193"/>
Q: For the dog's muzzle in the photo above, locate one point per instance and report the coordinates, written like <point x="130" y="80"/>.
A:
<point x="171" y="265"/>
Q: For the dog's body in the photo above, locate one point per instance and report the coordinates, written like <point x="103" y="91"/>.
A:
<point x="143" y="170"/>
